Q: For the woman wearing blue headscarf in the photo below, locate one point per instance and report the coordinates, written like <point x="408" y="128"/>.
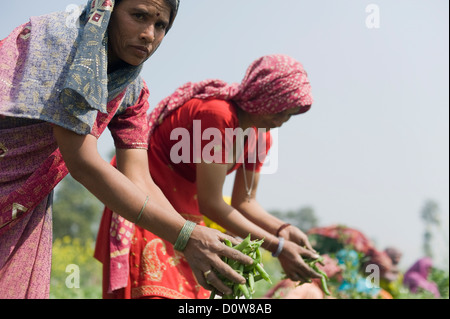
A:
<point x="61" y="85"/>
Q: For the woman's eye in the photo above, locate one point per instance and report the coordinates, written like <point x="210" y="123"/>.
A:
<point x="161" y="26"/>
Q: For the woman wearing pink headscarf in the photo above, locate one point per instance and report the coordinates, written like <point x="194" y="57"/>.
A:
<point x="199" y="135"/>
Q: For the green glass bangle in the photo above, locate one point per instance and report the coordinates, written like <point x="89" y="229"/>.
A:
<point x="142" y="211"/>
<point x="184" y="235"/>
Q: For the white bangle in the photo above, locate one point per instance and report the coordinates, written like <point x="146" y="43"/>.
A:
<point x="280" y="247"/>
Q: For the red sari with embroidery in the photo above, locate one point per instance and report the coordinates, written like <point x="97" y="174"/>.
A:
<point x="156" y="270"/>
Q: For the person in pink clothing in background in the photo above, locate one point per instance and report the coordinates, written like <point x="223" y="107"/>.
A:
<point x="416" y="277"/>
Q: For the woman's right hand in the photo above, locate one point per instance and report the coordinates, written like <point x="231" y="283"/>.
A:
<point x="293" y="264"/>
<point x="203" y="253"/>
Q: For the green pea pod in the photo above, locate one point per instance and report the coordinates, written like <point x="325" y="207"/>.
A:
<point x="249" y="268"/>
<point x="320" y="260"/>
<point x="320" y="271"/>
<point x="241" y="268"/>
<point x="251" y="282"/>
<point x="258" y="255"/>
<point x="323" y="275"/>
<point x="263" y="273"/>
<point x="243" y="244"/>
<point x="236" y="291"/>
<point x="323" y="281"/>
<point x="228" y="243"/>
<point x="244" y="289"/>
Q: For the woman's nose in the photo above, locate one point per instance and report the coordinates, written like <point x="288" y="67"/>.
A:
<point x="149" y="34"/>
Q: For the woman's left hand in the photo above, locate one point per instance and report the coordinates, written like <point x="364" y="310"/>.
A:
<point x="293" y="263"/>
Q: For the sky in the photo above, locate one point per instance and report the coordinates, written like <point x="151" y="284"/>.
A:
<point x="375" y="145"/>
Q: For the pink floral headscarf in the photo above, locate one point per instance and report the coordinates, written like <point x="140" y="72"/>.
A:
<point x="272" y="84"/>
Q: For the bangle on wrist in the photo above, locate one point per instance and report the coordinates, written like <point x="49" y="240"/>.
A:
<point x="185" y="234"/>
<point x="279" y="248"/>
<point x="142" y="211"/>
<point x="281" y="228"/>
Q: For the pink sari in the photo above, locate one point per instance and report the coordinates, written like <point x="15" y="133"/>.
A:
<point x="25" y="244"/>
<point x="416" y="277"/>
<point x="34" y="77"/>
<point x="31" y="167"/>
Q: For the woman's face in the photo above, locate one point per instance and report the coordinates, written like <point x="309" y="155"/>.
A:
<point x="271" y="121"/>
<point x="136" y="30"/>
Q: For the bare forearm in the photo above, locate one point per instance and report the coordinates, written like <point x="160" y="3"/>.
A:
<point x="122" y="196"/>
<point x="250" y="208"/>
<point x="113" y="188"/>
<point x="254" y="212"/>
<point x="134" y="165"/>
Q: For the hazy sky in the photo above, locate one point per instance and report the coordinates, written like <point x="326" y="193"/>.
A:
<point x="375" y="145"/>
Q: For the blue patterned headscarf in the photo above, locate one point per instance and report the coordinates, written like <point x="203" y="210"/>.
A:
<point x="87" y="81"/>
<point x="61" y="73"/>
<point x="91" y="59"/>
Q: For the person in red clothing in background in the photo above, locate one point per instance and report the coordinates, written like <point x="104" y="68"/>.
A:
<point x="199" y="135"/>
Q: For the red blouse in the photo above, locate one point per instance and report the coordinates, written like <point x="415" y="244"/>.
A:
<point x="205" y="129"/>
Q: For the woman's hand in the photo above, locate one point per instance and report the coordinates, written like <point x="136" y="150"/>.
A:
<point x="293" y="264"/>
<point x="297" y="246"/>
<point x="203" y="253"/>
